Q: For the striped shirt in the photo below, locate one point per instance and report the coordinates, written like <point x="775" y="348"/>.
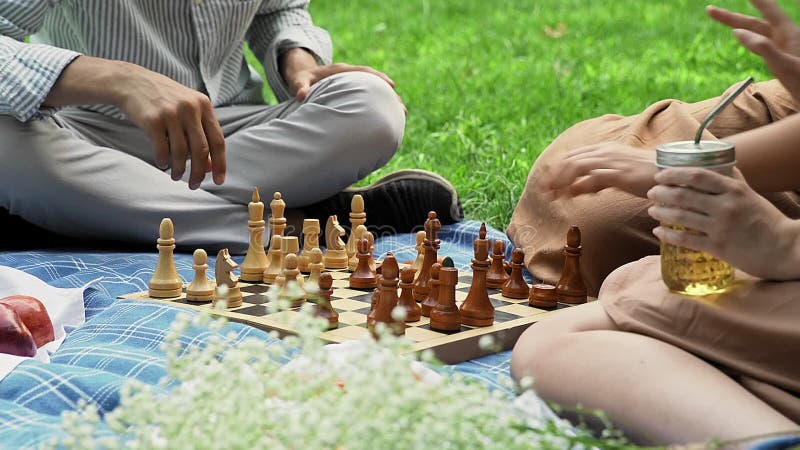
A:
<point x="198" y="43"/>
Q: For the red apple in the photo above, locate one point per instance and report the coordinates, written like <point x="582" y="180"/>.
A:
<point x="15" y="338"/>
<point x="34" y="316"/>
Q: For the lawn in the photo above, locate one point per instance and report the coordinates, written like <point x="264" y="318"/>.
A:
<point x="489" y="84"/>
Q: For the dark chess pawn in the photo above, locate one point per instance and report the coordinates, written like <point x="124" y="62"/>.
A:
<point x="516" y="287"/>
<point x="571" y="288"/>
<point x="323" y="308"/>
<point x="497" y="275"/>
<point x="363" y="277"/>
<point x="413" y="310"/>
<point x="477" y="310"/>
<point x="445" y="316"/>
<point x="388" y="298"/>
<point x="433" y="295"/>
<point x="376" y="297"/>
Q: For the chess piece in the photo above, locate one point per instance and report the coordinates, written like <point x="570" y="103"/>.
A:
<point x="290" y="245"/>
<point x="571" y="288"/>
<point x="335" y="252"/>
<point x="430" y="248"/>
<point x="290" y="281"/>
<point x="311" y="230"/>
<point x="315" y="266"/>
<point x="201" y="289"/>
<point x="420" y="251"/>
<point x="406" y="300"/>
<point x="255" y="261"/>
<point x="445" y="315"/>
<point x="223" y="269"/>
<point x="363" y="277"/>
<point x="433" y="293"/>
<point x="373" y="266"/>
<point x="323" y="308"/>
<point x="477" y="310"/>
<point x="543" y="296"/>
<point x="388" y="297"/>
<point x="275" y="261"/>
<point x="516" y="287"/>
<point x="166" y="282"/>
<point x="357" y="218"/>
<point x="359" y="232"/>
<point x="497" y="275"/>
<point x="376" y="297"/>
<point x="277" y="221"/>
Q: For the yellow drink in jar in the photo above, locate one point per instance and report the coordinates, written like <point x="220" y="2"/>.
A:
<point x="684" y="270"/>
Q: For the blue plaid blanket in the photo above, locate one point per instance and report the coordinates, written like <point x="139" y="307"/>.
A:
<point x="121" y="338"/>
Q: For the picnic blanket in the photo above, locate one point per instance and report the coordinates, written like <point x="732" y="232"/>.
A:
<point x="121" y="338"/>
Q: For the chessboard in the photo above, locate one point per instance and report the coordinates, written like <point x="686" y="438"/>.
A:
<point x="512" y="317"/>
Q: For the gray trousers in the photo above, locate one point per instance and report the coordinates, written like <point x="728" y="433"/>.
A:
<point x="86" y="175"/>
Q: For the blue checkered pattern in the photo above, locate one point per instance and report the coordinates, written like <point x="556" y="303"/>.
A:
<point x="121" y="338"/>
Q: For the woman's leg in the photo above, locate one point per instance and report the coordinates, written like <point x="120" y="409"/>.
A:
<point x="655" y="392"/>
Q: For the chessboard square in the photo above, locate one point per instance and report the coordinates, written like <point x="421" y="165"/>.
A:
<point x="363" y="311"/>
<point x="521" y="310"/>
<point x="499" y="302"/>
<point x="187" y="302"/>
<point x="501" y="316"/>
<point x="347" y="304"/>
<point x="352" y="318"/>
<point x="347" y="333"/>
<point x="422" y="321"/>
<point x="339" y="274"/>
<point x="349" y="293"/>
<point x="257" y="299"/>
<point x="363" y="298"/>
<point x="461" y="296"/>
<point x="255" y="310"/>
<point x="418" y="334"/>
<point x="255" y="288"/>
<point x="463" y="286"/>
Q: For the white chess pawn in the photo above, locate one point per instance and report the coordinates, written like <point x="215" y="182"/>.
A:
<point x="201" y="289"/>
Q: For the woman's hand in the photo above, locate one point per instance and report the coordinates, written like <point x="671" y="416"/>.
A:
<point x="597" y="167"/>
<point x="775" y="38"/>
<point x="727" y="219"/>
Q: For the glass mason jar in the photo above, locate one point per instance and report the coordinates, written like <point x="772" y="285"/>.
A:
<point x="684" y="270"/>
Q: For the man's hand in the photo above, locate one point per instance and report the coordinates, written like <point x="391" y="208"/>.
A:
<point x="179" y="121"/>
<point x="597" y="167"/>
<point x="728" y="219"/>
<point x="301" y="72"/>
<point x="775" y="38"/>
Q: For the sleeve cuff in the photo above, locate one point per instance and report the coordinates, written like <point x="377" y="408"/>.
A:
<point x="27" y="77"/>
<point x="315" y="40"/>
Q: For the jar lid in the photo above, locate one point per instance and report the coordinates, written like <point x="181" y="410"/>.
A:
<point x="689" y="154"/>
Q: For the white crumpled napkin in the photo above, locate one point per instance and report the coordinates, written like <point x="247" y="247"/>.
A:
<point x="65" y="307"/>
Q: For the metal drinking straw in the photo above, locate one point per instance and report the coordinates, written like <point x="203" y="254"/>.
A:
<point x="715" y="112"/>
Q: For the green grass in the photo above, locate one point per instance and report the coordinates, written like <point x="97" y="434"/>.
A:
<point x="487" y="88"/>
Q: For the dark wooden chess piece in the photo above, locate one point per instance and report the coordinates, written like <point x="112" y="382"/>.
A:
<point x="543" y="296"/>
<point x="430" y="248"/>
<point x="376" y="296"/>
<point x="388" y="298"/>
<point x="497" y="275"/>
<point x="445" y="316"/>
<point x="477" y="310"/>
<point x="406" y="300"/>
<point x="363" y="277"/>
<point x="433" y="296"/>
<point x="516" y="287"/>
<point x="571" y="288"/>
<point x="323" y="308"/>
